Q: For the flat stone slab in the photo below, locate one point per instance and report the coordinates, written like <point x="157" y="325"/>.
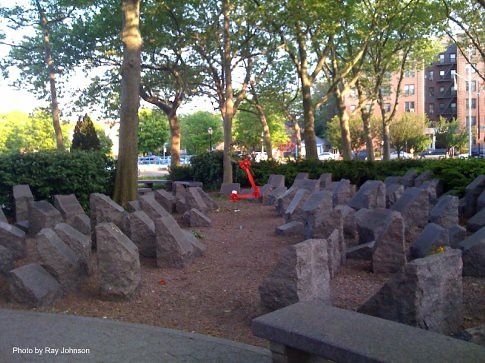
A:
<point x="68" y="205"/>
<point x="34" y="286"/>
<point x="112" y="341"/>
<point x="347" y="336"/>
<point x="152" y="208"/>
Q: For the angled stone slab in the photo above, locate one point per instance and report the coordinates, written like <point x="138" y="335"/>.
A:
<point x="372" y="194"/>
<point x="371" y="223"/>
<point x="194" y="200"/>
<point x="118" y="261"/>
<point x="434" y="188"/>
<point x="22" y="198"/>
<point x="141" y="231"/>
<point x="104" y="210"/>
<point x="68" y="205"/>
<point x="227" y="188"/>
<point x="414" y="207"/>
<point x="13" y="238"/>
<point x="58" y="259"/>
<point x="173" y="247"/>
<point x="276" y="180"/>
<point x="34" y="286"/>
<point x="389" y="253"/>
<point x="342" y="192"/>
<point x="197" y="244"/>
<point x="432" y="237"/>
<point x="393" y="193"/>
<point x="445" y="212"/>
<point x="6" y="261"/>
<point x="473" y="249"/>
<point x="301" y="274"/>
<point x="361" y="252"/>
<point x="316" y="209"/>
<point x="294" y="210"/>
<point x="456" y="234"/>
<point x="472" y="192"/>
<point x="265" y="190"/>
<point x="207" y="199"/>
<point x="152" y="208"/>
<point x="42" y="214"/>
<point x="271" y="197"/>
<point x="180" y="205"/>
<point x="82" y="223"/>
<point x="423" y="177"/>
<point x="133" y="206"/>
<point x="390" y="180"/>
<point x="79" y="243"/>
<point x="481" y="201"/>
<point x="2" y="216"/>
<point x="290" y="228"/>
<point x="350" y="226"/>
<point x="325" y="180"/>
<point x="195" y="218"/>
<point x="301" y="176"/>
<point x="166" y="200"/>
<point x="476" y="222"/>
<point x="427" y="293"/>
<point x="408" y="179"/>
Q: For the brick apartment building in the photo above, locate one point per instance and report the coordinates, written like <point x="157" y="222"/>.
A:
<point x="432" y="92"/>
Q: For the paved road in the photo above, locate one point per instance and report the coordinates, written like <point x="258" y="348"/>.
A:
<point x="27" y="336"/>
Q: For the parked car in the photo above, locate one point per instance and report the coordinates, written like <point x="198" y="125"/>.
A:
<point x="149" y="160"/>
<point x="327" y="155"/>
<point x="434" y="154"/>
<point x="360" y="155"/>
<point x="401" y="155"/>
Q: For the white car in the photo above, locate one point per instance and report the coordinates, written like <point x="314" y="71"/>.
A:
<point x="402" y="155"/>
<point x="326" y="155"/>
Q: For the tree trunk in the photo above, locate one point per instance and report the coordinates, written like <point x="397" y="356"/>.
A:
<point x="344" y="125"/>
<point x="309" y="116"/>
<point x="127" y="168"/>
<point x="175" y="139"/>
<point x="386" y="140"/>
<point x="228" y="108"/>
<point x="266" y="132"/>
<point x="52" y="77"/>
<point x="369" y="144"/>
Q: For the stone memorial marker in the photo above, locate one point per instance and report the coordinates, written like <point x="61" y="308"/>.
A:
<point x="372" y="194"/>
<point x="22" y="198"/>
<point x="473" y="249"/>
<point x="42" y="214"/>
<point x="432" y="237"/>
<point x="195" y="218"/>
<point x="141" y="231"/>
<point x="79" y="243"/>
<point x="445" y="212"/>
<point x="166" y="200"/>
<point x="13" y="239"/>
<point x="414" y="207"/>
<point x="389" y="253"/>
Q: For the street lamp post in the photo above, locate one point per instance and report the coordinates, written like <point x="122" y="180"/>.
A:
<point x="209" y="131"/>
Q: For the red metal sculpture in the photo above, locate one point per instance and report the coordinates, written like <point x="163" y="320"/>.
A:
<point x="246" y="166"/>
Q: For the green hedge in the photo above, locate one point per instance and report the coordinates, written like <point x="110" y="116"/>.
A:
<point x="455" y="173"/>
<point x="50" y="173"/>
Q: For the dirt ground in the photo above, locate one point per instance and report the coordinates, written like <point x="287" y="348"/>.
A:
<point x="218" y="293"/>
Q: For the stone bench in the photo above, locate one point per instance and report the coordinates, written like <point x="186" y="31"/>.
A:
<point x="307" y="330"/>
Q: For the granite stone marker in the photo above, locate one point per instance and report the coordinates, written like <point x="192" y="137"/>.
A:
<point x="166" y="199"/>
<point x="104" y="210"/>
<point x="372" y="194"/>
<point x="431" y="238"/>
<point x="118" y="261"/>
<point x="141" y="231"/>
<point x="42" y="214"/>
<point x="13" y="238"/>
<point x="301" y="274"/>
<point x="195" y="218"/>
<point x="22" y="198"/>
<point x="473" y="249"/>
<point x="427" y="293"/>
<point x="414" y="207"/>
<point x="445" y="212"/>
<point x="389" y="253"/>
<point x="79" y="243"/>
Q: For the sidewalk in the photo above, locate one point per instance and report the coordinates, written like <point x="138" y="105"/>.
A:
<point x="41" y="337"/>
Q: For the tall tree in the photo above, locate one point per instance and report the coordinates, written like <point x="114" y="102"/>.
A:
<point x="37" y="56"/>
<point x="127" y="168"/>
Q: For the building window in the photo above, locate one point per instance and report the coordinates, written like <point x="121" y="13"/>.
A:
<point x="453" y="72"/>
<point x="408" y="73"/>
<point x="386" y="90"/>
<point x="387" y="107"/>
<point x="442" y="91"/>
<point x="474" y="86"/>
<point x="442" y="58"/>
<point x="409" y="89"/>
<point x="453" y="57"/>
<point x="453" y="106"/>
<point x="474" y="120"/>
<point x="442" y="107"/>
<point x="442" y="74"/>
<point x="431" y="91"/>
<point x="352" y="108"/>
<point x="431" y="108"/>
<point x="474" y="103"/>
<point x="409" y="106"/>
<point x="431" y="75"/>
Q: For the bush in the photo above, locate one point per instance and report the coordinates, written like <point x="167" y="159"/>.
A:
<point x="456" y="174"/>
<point x="50" y="173"/>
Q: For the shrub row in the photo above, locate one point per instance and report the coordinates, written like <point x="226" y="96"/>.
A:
<point x="50" y="173"/>
<point x="456" y="174"/>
